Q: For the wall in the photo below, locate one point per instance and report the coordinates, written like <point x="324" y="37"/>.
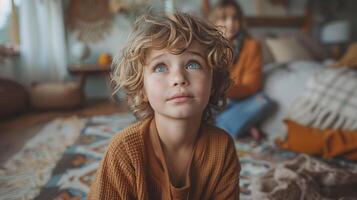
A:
<point x="325" y="11"/>
<point x="112" y="43"/>
<point x="350" y="13"/>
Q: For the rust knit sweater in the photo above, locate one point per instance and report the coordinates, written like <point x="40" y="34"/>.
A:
<point x="134" y="167"/>
<point x="246" y="72"/>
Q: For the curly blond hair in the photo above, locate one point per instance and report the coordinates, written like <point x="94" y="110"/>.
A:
<point x="174" y="32"/>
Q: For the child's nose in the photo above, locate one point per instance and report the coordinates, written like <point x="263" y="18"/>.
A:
<point x="180" y="83"/>
<point x="179" y="78"/>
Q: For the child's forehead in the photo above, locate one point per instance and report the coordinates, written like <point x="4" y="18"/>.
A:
<point x="195" y="48"/>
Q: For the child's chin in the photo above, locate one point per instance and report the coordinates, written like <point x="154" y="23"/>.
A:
<point x="187" y="114"/>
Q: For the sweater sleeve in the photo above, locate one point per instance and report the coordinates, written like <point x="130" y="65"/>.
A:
<point x="115" y="176"/>
<point x="249" y="81"/>
<point x="228" y="182"/>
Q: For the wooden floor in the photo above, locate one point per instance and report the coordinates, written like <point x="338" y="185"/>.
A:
<point x="15" y="131"/>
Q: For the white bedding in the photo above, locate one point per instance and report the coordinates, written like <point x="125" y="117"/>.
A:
<point x="284" y="84"/>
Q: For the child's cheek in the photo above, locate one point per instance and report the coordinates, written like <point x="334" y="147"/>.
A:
<point x="155" y="94"/>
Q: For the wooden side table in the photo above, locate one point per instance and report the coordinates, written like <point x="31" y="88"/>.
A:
<point x="85" y="70"/>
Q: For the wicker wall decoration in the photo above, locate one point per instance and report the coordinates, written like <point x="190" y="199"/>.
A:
<point x="90" y="20"/>
<point x="128" y="5"/>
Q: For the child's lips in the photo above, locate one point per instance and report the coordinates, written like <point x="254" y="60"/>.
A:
<point x="178" y="98"/>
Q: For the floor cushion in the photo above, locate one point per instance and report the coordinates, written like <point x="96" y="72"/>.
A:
<point x="14" y="98"/>
<point x="328" y="143"/>
<point x="56" y="95"/>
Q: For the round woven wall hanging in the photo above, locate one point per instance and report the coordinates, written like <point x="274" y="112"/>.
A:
<point x="90" y="20"/>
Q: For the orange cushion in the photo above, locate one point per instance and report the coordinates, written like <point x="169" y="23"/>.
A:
<point x="327" y="143"/>
<point x="302" y="139"/>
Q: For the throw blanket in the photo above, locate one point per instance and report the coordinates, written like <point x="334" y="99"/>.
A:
<point x="330" y="101"/>
<point x="305" y="178"/>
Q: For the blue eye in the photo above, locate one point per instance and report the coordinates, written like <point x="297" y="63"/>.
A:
<point x="193" y="65"/>
<point x="160" y="68"/>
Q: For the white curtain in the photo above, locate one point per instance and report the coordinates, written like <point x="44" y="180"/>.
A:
<point x="42" y="40"/>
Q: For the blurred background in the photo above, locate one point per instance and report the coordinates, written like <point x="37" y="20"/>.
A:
<point x="55" y="59"/>
<point x="52" y="35"/>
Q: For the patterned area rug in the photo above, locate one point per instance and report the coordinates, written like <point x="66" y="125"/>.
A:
<point x="258" y="160"/>
<point x="70" y="176"/>
<point x="75" y="171"/>
<point x="22" y="176"/>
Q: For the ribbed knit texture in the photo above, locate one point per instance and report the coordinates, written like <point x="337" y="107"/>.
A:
<point x="134" y="167"/>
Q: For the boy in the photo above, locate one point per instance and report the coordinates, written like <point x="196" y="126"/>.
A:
<point x="174" y="72"/>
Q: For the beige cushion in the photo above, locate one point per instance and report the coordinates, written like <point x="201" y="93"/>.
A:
<point x="315" y="49"/>
<point x="56" y="95"/>
<point x="286" y="49"/>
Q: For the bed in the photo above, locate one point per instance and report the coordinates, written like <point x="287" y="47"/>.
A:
<point x="269" y="172"/>
<point x="293" y="60"/>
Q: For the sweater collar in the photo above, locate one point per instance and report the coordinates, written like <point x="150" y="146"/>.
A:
<point x="161" y="161"/>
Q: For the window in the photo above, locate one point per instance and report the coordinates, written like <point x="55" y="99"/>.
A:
<point x="5" y="20"/>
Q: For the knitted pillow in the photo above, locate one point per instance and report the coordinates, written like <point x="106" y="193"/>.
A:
<point x="56" y="95"/>
<point x="329" y="101"/>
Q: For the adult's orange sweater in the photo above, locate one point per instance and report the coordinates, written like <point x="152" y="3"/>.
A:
<point x="134" y="167"/>
<point x="246" y="72"/>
